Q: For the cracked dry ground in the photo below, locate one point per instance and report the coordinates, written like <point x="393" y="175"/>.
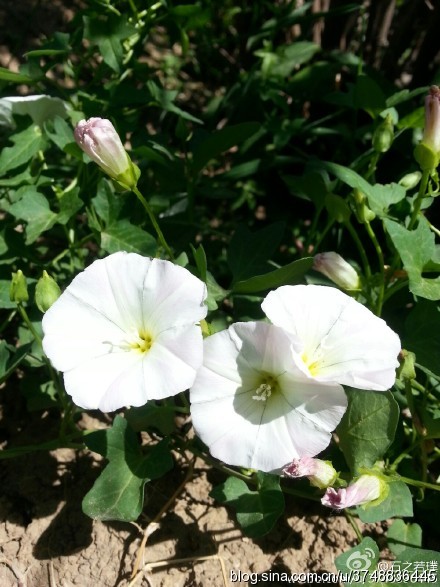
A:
<point x="46" y="540"/>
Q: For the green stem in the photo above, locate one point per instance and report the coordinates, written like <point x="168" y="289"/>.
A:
<point x="154" y="222"/>
<point x="10" y="453"/>
<point x="418" y="201"/>
<point x="379" y="253"/>
<point x="372" y="166"/>
<point x="421" y="484"/>
<point x="354" y="525"/>
<point x="29" y="324"/>
<point x="324" y="233"/>
<point x="360" y="247"/>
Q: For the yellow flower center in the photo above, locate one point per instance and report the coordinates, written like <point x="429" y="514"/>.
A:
<point x="312" y="366"/>
<point x="143" y="342"/>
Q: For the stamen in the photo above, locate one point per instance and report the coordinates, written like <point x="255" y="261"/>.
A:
<point x="263" y="392"/>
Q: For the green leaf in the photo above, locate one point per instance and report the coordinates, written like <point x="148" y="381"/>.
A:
<point x="288" y="275"/>
<point x="165" y="100"/>
<point x="383" y="196"/>
<point x="107" y="203"/>
<point x="416" y="248"/>
<point x="34" y="208"/>
<point x="10" y="358"/>
<point x="349" y="177"/>
<point x="249" y="252"/>
<point x="39" y="396"/>
<point x="422" y="327"/>
<point x="368" y="96"/>
<point x="124" y="236"/>
<point x="70" y="203"/>
<point x="27" y="143"/>
<point x="422" y="568"/>
<point x="16" y="78"/>
<point x="201" y="262"/>
<point x="62" y="136"/>
<point x="397" y="503"/>
<point x="293" y="55"/>
<point x="220" y="141"/>
<point x="357" y="563"/>
<point x="401" y="535"/>
<point x="368" y="427"/>
<point x="118" y="493"/>
<point x="5" y="301"/>
<point x="257" y="511"/>
<point x="108" y="33"/>
<point x="215" y="292"/>
<point x="159" y="417"/>
<point x="311" y="186"/>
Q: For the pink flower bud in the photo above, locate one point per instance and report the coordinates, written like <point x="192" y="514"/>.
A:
<point x="427" y="152"/>
<point x="320" y="473"/>
<point x="98" y="138"/>
<point x="333" y="266"/>
<point x="366" y="489"/>
<point x="431" y="136"/>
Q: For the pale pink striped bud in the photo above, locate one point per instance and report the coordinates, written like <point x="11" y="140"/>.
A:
<point x="333" y="266"/>
<point x="366" y="489"/>
<point x="98" y="138"/>
<point x="320" y="473"/>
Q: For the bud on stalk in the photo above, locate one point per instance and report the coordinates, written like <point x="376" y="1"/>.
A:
<point x="336" y="268"/>
<point x="98" y="138"/>
<point x="320" y="473"/>
<point x="18" y="289"/>
<point x="47" y="292"/>
<point x="427" y="152"/>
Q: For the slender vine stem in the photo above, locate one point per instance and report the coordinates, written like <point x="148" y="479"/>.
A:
<point x="354" y="235"/>
<point x="354" y="525"/>
<point x="381" y="260"/>
<point x="154" y="222"/>
<point x="418" y="200"/>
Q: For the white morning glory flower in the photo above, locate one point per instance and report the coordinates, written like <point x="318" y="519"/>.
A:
<point x="251" y="404"/>
<point x="338" y="339"/>
<point x="125" y="331"/>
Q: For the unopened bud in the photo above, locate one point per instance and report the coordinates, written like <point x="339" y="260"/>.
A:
<point x="366" y="490"/>
<point x="336" y="268"/>
<point x="320" y="473"/>
<point x="363" y="213"/>
<point x="410" y="180"/>
<point x="18" y="289"/>
<point x="98" y="138"/>
<point x="47" y="292"/>
<point x="383" y="135"/>
<point x="427" y="152"/>
<point x="406" y="370"/>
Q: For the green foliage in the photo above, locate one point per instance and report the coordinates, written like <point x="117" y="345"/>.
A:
<point x="257" y="511"/>
<point x="253" y="159"/>
<point x="368" y="427"/>
<point x="27" y="143"/>
<point x="359" y="562"/>
<point x="422" y="327"/>
<point x="118" y="493"/>
<point x="397" y="503"/>
<point x="401" y="536"/>
<point x="416" y="248"/>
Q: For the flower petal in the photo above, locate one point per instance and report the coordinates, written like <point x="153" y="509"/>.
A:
<point x="265" y="435"/>
<point x="345" y="342"/>
<point x="125" y="331"/>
